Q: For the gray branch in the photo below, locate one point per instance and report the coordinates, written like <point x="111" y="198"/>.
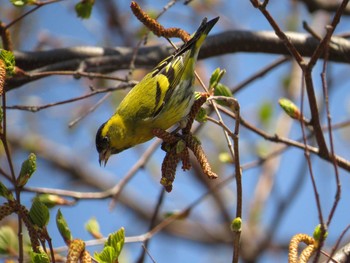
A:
<point x="342" y="255"/>
<point x="106" y="60"/>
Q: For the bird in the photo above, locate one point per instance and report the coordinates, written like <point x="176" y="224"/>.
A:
<point x="162" y="99"/>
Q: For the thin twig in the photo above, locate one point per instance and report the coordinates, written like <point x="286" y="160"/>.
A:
<point x="309" y="164"/>
<point x="88" y="111"/>
<point x="146" y="251"/>
<point x="343" y="163"/>
<point x="38" y="5"/>
<point x="36" y="108"/>
<point x="338" y="255"/>
<point x="234" y="105"/>
<point x="3" y="138"/>
<point x="330" y="134"/>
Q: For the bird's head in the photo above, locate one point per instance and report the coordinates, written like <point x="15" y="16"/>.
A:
<point x="112" y="138"/>
<point x="103" y="144"/>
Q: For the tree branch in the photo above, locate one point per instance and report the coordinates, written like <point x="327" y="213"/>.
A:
<point x="106" y="60"/>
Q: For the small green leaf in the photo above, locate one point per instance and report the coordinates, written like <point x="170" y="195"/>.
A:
<point x="41" y="257"/>
<point x="197" y="95"/>
<point x="225" y="157"/>
<point x="116" y="240"/>
<point x="93" y="227"/>
<point x="39" y="213"/>
<point x="317" y="233"/>
<point x="9" y="60"/>
<point x="236" y="225"/>
<point x="8" y="240"/>
<point x="180" y="215"/>
<point x="201" y="115"/>
<point x="265" y="112"/>
<point x="216" y="77"/>
<point x="27" y="170"/>
<point x="290" y="108"/>
<point x="222" y="90"/>
<point x="63" y="227"/>
<point x="107" y="255"/>
<point x="6" y="192"/>
<point x="51" y="200"/>
<point x="84" y="8"/>
<point x="19" y="3"/>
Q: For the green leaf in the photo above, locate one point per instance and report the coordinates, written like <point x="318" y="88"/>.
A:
<point x="19" y="3"/>
<point x="27" y="170"/>
<point x="84" y="8"/>
<point x="225" y="157"/>
<point x="107" y="255"/>
<point x="318" y="232"/>
<point x="197" y="95"/>
<point x="6" y="192"/>
<point x="180" y="215"/>
<point x="236" y="225"/>
<point x="201" y="115"/>
<point x="51" y="200"/>
<point x="216" y="77"/>
<point x="9" y="60"/>
<point x="93" y="227"/>
<point x="41" y="257"/>
<point x="290" y="108"/>
<point x="39" y="213"/>
<point x="265" y="112"/>
<point x="116" y="240"/>
<point x="63" y="227"/>
<point x="222" y="90"/>
<point x="8" y="240"/>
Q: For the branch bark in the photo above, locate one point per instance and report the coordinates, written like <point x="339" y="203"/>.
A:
<point x="106" y="60"/>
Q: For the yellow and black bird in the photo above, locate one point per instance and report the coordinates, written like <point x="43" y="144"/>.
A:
<point x="161" y="99"/>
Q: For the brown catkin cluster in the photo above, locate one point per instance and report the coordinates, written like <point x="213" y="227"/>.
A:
<point x="185" y="159"/>
<point x="194" y="111"/>
<point x="2" y="76"/>
<point x="33" y="233"/>
<point x="306" y="253"/>
<point x="5" y="210"/>
<point x="85" y="257"/>
<point x="177" y="148"/>
<point x="169" y="164"/>
<point x="76" y="248"/>
<point x="167" y="137"/>
<point x="155" y="27"/>
<point x="197" y="150"/>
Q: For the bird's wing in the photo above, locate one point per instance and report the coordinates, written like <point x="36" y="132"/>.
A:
<point x="167" y="77"/>
<point x="147" y="99"/>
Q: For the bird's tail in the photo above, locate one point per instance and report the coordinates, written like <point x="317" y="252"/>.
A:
<point x="196" y="41"/>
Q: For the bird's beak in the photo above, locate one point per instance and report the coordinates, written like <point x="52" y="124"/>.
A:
<point x="103" y="157"/>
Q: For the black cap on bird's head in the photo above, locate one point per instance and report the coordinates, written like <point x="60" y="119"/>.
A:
<point x="109" y="140"/>
<point x="103" y="146"/>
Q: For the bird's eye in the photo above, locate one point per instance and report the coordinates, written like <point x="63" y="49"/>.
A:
<point x="105" y="140"/>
